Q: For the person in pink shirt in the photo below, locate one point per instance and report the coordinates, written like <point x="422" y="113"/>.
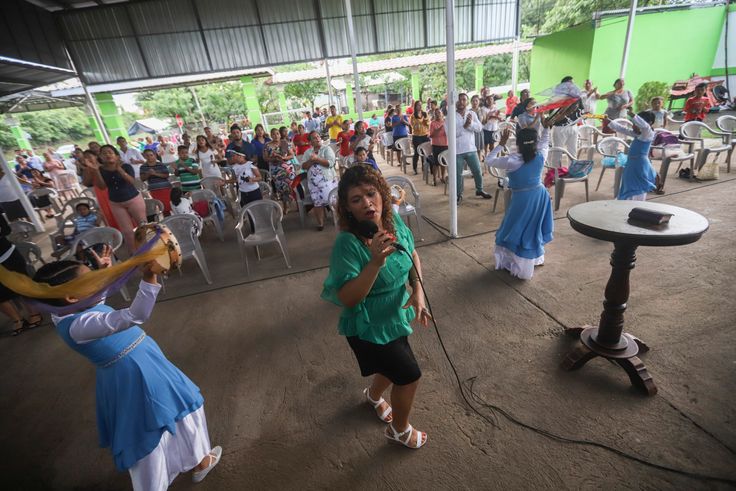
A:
<point x="438" y="138"/>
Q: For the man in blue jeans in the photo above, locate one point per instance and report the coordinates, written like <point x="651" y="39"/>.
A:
<point x="466" y="126"/>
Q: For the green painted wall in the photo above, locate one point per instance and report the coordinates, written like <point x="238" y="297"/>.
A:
<point x="250" y="97"/>
<point x="665" y="47"/>
<point x="110" y="116"/>
<point x="478" y="77"/>
<point x="99" y="137"/>
<point x="20" y="137"/>
<point x="563" y="53"/>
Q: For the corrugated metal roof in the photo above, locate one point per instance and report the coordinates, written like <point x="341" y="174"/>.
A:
<point x="396" y="63"/>
<point x="73" y="88"/>
<point x="159" y="38"/>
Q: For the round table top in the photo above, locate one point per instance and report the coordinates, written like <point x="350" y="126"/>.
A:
<point x="608" y="220"/>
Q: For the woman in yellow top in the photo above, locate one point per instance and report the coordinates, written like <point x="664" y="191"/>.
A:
<point x="333" y="124"/>
<point x="368" y="279"/>
<point x="419" y="131"/>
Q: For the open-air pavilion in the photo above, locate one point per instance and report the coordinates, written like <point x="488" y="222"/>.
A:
<point x="282" y="389"/>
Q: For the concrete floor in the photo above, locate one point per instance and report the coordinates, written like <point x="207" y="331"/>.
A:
<point x="282" y="388"/>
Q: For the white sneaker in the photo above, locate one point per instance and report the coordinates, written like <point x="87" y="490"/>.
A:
<point x="215" y="455"/>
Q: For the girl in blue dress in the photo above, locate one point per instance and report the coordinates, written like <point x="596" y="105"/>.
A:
<point x="639" y="177"/>
<point x="148" y="412"/>
<point x="527" y="224"/>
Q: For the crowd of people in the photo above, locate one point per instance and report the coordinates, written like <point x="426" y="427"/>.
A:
<point x="375" y="271"/>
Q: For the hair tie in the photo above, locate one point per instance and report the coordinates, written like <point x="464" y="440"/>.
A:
<point x="528" y="142"/>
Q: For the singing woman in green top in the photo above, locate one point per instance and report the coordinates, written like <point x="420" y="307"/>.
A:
<point x="368" y="279"/>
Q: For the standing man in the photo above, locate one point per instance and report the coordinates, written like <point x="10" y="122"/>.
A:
<point x="238" y="144"/>
<point x="333" y="124"/>
<point x="130" y="155"/>
<point x="466" y="126"/>
<point x="34" y="160"/>
<point x="311" y="123"/>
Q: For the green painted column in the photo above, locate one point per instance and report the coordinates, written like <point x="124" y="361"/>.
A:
<point x="416" y="92"/>
<point x="283" y="107"/>
<point x="251" y="100"/>
<point x="349" y="96"/>
<point x="111" y="116"/>
<point x="99" y="137"/>
<point x="19" y="135"/>
<point x="478" y="77"/>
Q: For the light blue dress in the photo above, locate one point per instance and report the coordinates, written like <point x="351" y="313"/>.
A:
<point x="140" y="394"/>
<point x="639" y="176"/>
<point x="528" y="223"/>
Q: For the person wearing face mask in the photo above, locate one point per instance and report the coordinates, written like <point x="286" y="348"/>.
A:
<point x="368" y="277"/>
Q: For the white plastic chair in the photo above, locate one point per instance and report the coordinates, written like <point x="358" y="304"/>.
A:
<point x="303" y="203"/>
<point x="21" y="231"/>
<point x="89" y="193"/>
<point x="611" y="146"/>
<point x="425" y="150"/>
<point x="65" y="219"/>
<point x="265" y="217"/>
<point x="502" y="183"/>
<point x="213" y="184"/>
<point x="53" y="204"/>
<point x="142" y="187"/>
<point x="555" y="157"/>
<point x="154" y="208"/>
<point x="404" y="146"/>
<point x="332" y="200"/>
<point x="186" y="229"/>
<point x="407" y="209"/>
<point x="209" y="197"/>
<point x="626" y="123"/>
<point x="691" y="131"/>
<point x="589" y="135"/>
<point x="442" y="161"/>
<point x="100" y="235"/>
<point x="32" y="254"/>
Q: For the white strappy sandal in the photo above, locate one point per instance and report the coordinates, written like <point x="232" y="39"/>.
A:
<point x="215" y="456"/>
<point x="395" y="437"/>
<point x="387" y="415"/>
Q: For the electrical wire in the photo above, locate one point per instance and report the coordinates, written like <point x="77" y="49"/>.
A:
<point x="494" y="410"/>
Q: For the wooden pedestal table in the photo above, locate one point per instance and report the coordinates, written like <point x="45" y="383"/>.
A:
<point x="608" y="220"/>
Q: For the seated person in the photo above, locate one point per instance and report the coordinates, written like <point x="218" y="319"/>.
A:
<point x="181" y="205"/>
<point x="187" y="170"/>
<point x="361" y="157"/>
<point x="84" y="220"/>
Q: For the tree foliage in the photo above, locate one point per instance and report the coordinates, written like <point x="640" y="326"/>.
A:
<point x="303" y="93"/>
<point x="566" y="13"/>
<point x="649" y="90"/>
<point x="56" y="125"/>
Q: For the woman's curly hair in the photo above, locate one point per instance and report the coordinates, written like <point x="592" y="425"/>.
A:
<point x="356" y="176"/>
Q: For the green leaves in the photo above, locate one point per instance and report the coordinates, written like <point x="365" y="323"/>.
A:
<point x="649" y="90"/>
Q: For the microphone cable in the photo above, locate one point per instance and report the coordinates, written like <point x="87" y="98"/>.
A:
<point x="494" y="409"/>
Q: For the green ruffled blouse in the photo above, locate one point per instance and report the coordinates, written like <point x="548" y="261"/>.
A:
<point x="379" y="318"/>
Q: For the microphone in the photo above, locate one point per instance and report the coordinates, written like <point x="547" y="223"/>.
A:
<point x="368" y="229"/>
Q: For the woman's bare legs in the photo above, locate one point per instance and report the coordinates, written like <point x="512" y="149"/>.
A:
<point x="402" y="399"/>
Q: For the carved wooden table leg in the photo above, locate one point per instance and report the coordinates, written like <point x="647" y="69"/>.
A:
<point x="608" y="339"/>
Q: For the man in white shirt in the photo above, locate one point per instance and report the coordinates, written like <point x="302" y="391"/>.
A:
<point x="130" y="155"/>
<point x="466" y="126"/>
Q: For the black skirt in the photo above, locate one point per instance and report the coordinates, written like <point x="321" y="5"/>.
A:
<point x="14" y="263"/>
<point x="394" y="360"/>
